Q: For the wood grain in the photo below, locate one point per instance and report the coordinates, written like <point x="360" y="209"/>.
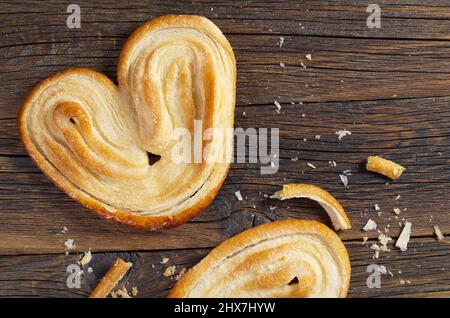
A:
<point x="46" y="275"/>
<point x="388" y="86"/>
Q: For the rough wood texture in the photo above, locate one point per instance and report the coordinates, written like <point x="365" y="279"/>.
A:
<point x="46" y="275"/>
<point x="388" y="86"/>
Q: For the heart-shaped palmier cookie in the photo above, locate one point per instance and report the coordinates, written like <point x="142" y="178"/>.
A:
<point x="92" y="138"/>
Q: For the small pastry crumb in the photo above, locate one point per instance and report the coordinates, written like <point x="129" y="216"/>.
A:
<point x="69" y="244"/>
<point x="385" y="167"/>
<point x="370" y="226"/>
<point x="87" y="257"/>
<point x="238" y="195"/>
<point x="120" y="293"/>
<point x="384" y="240"/>
<point x="278" y="106"/>
<point x="344" y="180"/>
<point x="170" y="271"/>
<point x="342" y="133"/>
<point x="437" y="231"/>
<point x="180" y="274"/>
<point x="403" y="240"/>
<point x="164" y="260"/>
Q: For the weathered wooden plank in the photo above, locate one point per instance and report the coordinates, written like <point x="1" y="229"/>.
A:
<point x="401" y="19"/>
<point x="343" y="68"/>
<point x="420" y="271"/>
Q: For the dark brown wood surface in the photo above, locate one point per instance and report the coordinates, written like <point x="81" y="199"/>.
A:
<point x="390" y="87"/>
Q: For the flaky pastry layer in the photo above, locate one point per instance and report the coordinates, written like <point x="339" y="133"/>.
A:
<point x="92" y="138"/>
<point x="293" y="258"/>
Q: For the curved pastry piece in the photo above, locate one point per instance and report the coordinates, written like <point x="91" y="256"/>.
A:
<point x="293" y="258"/>
<point x="92" y="138"/>
<point x="324" y="198"/>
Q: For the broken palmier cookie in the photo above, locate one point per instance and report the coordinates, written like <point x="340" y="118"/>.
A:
<point x="324" y="198"/>
<point x="292" y="258"/>
<point x="385" y="167"/>
<point x="176" y="74"/>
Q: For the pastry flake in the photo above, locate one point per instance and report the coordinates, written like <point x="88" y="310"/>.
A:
<point x="325" y="199"/>
<point x="403" y="239"/>
<point x="111" y="279"/>
<point x="292" y="258"/>
<point x="385" y="167"/>
<point x="95" y="140"/>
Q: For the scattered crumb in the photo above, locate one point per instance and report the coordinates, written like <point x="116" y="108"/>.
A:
<point x="63" y="231"/>
<point x="365" y="239"/>
<point x="308" y="57"/>
<point x="377" y="207"/>
<point x="311" y="165"/>
<point x="120" y="293"/>
<point x="397" y="211"/>
<point x="402" y="242"/>
<point x="347" y="172"/>
<point x="403" y="282"/>
<point x="134" y="291"/>
<point x="384" y="240"/>
<point x="294" y="159"/>
<point x="342" y="133"/>
<point x="90" y="270"/>
<point x="344" y="180"/>
<point x="180" y="274"/>
<point x="87" y="257"/>
<point x="164" y="260"/>
<point x="282" y="64"/>
<point x="302" y="65"/>
<point x="370" y="226"/>
<point x="281" y="41"/>
<point x="278" y="106"/>
<point x="170" y="271"/>
<point x="398" y="197"/>
<point x="238" y="195"/>
<point x="376" y="249"/>
<point x="69" y="245"/>
<point x="382" y="269"/>
<point x="317" y="136"/>
<point x="437" y="231"/>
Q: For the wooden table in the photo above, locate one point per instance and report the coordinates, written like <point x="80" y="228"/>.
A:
<point x="389" y="86"/>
